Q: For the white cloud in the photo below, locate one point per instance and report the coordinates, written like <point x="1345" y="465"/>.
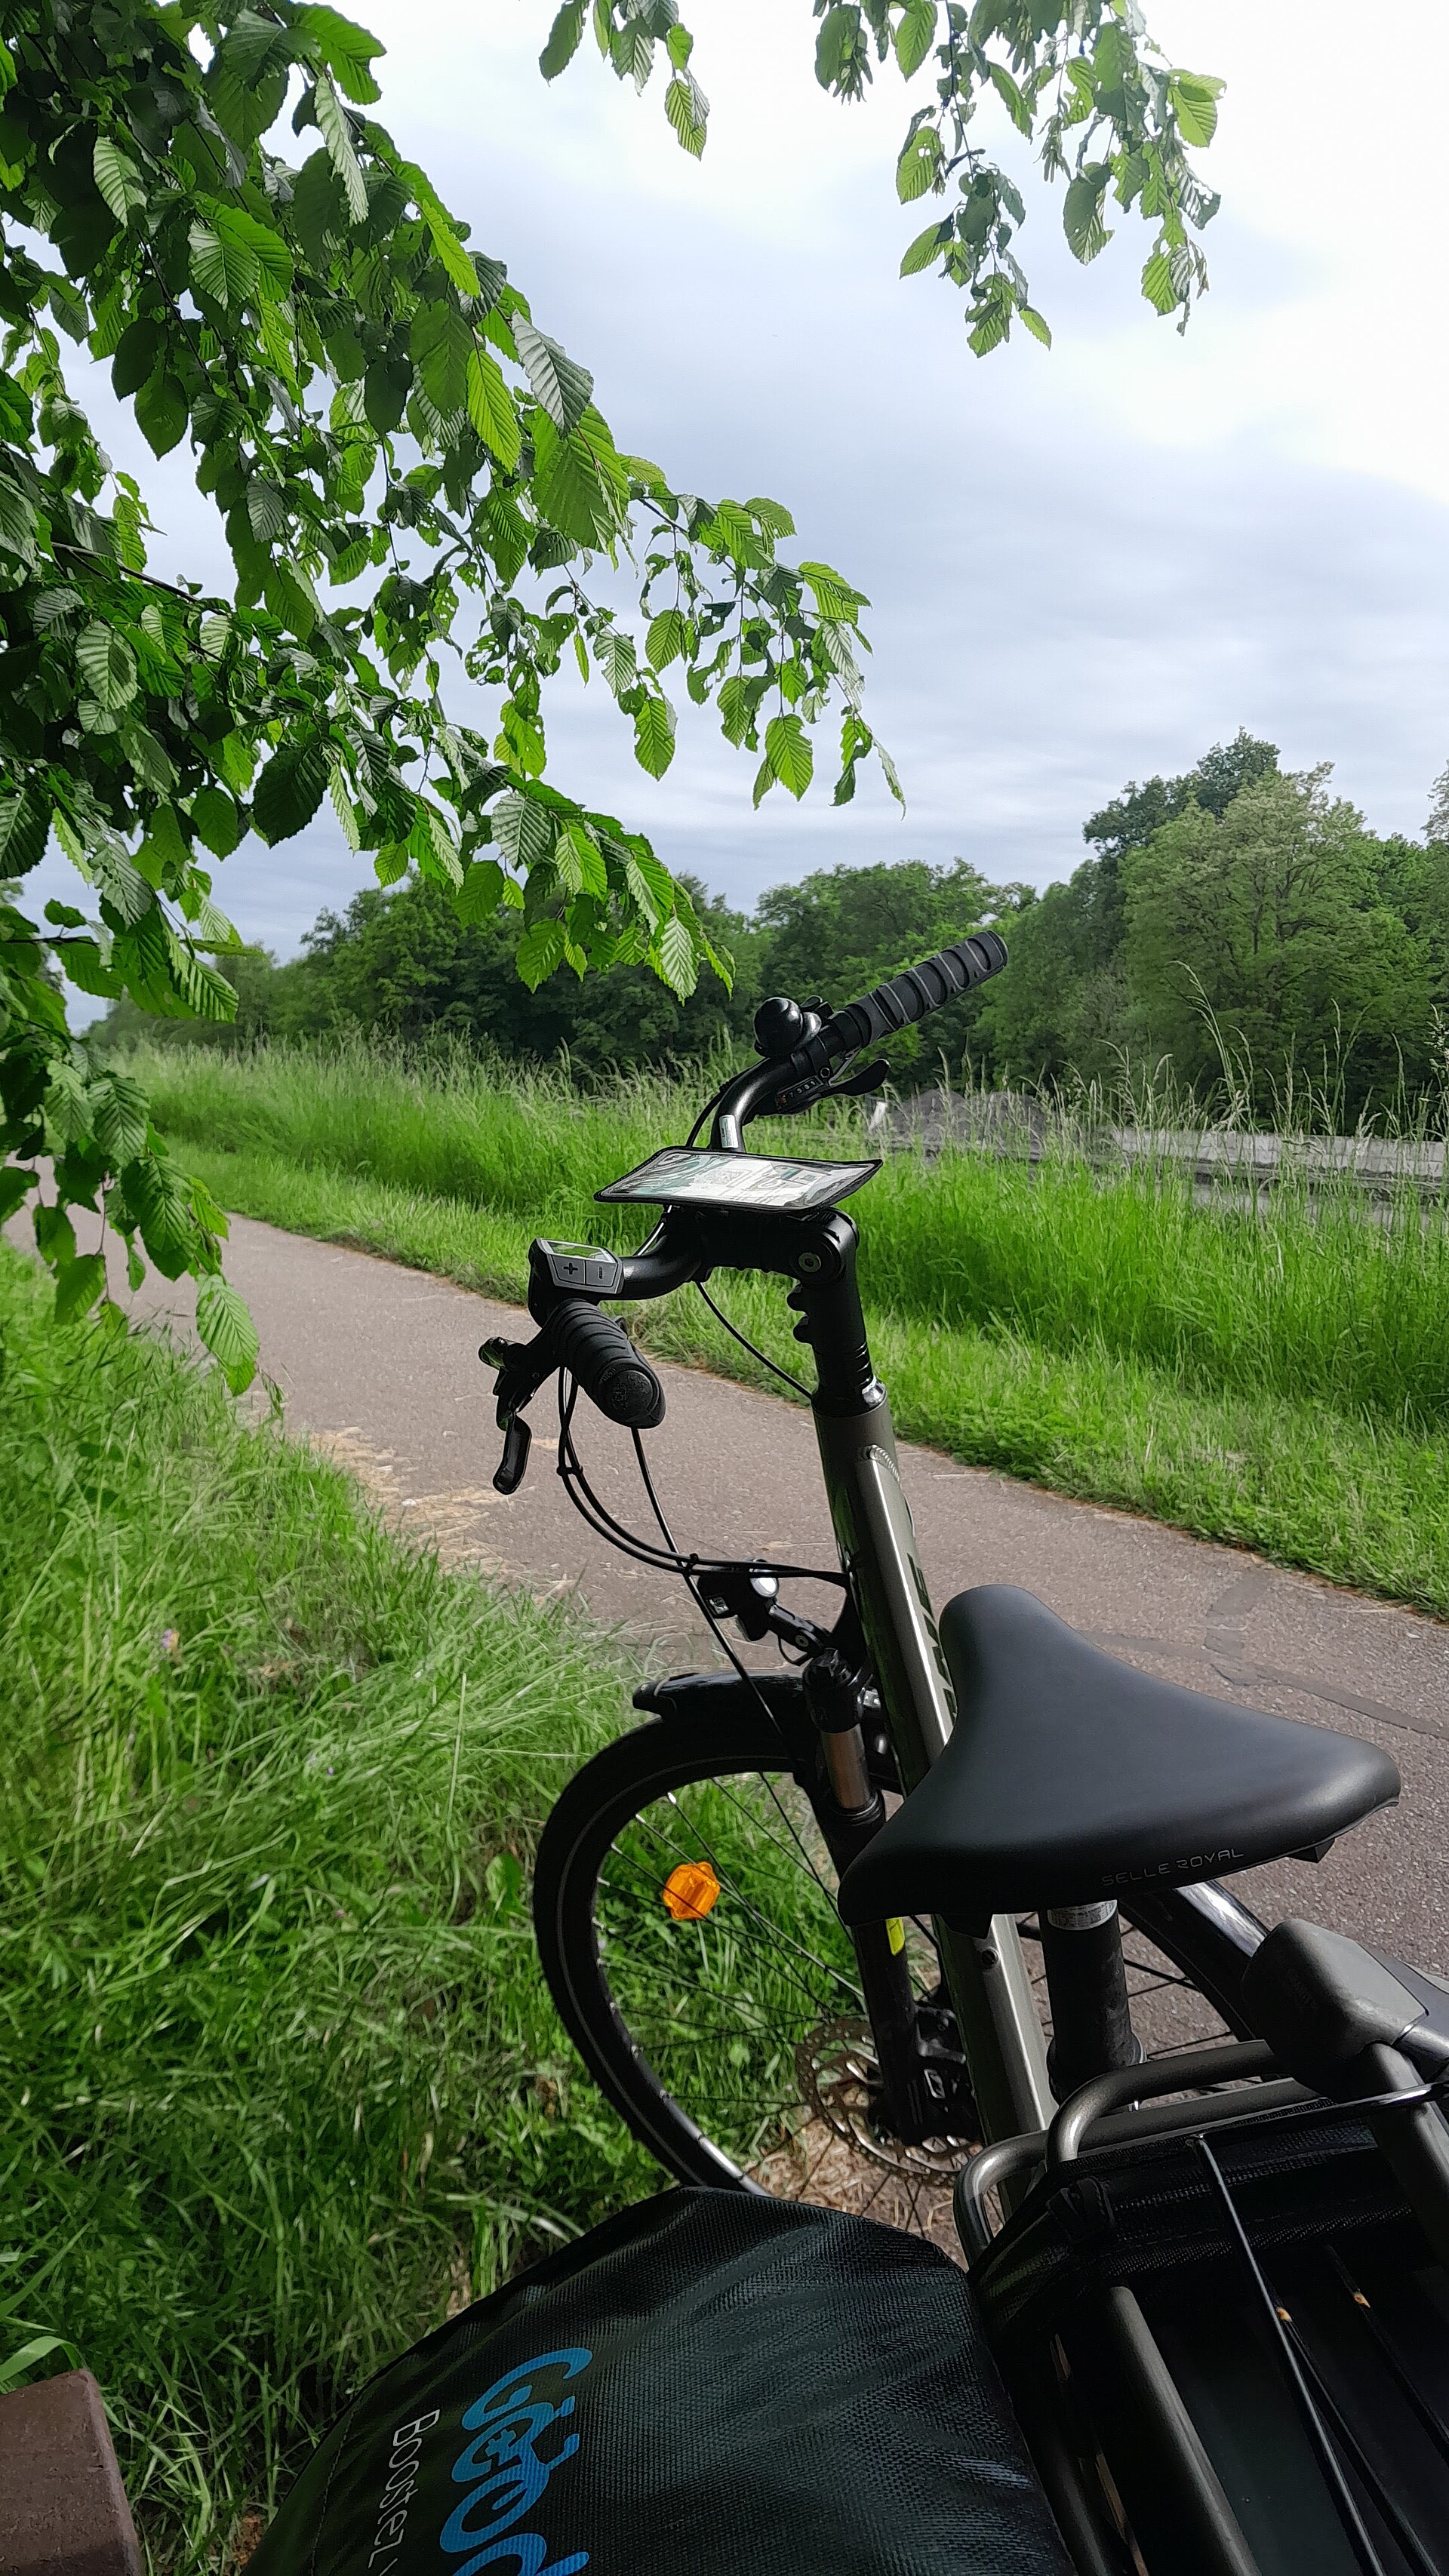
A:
<point x="1085" y="565"/>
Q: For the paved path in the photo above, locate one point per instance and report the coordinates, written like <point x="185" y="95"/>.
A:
<point x="379" y="1364"/>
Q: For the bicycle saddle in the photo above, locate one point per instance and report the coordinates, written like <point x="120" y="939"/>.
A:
<point x="1071" y="1777"/>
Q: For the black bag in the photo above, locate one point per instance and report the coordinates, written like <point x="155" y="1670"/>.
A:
<point x="711" y="2384"/>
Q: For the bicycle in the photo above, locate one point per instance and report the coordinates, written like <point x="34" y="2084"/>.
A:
<point x="784" y="1926"/>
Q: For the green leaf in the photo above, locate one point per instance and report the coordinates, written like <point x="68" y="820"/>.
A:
<point x="67" y="1108"/>
<point x="1035" y="325"/>
<point x="454" y="261"/>
<point x="162" y="410"/>
<point x="54" y="1236"/>
<point x="86" y="969"/>
<point x="336" y="131"/>
<point x="562" y="386"/>
<point x="919" y="167"/>
<point x="563" y="39"/>
<point x="319" y="209"/>
<point x="119" y="1118"/>
<point x="209" y="1215"/>
<point x="834" y="597"/>
<point x="221" y="267"/>
<point x="19" y="527"/>
<point x="915" y="34"/>
<point x="523" y="830"/>
<point x="345" y="48"/>
<point x="225" y="1327"/>
<point x="24" y="831"/>
<point x="117" y="178"/>
<point x="736" y="709"/>
<point x="733" y="531"/>
<point x="1082" y="212"/>
<point x="540" y="951"/>
<point x="581" y="486"/>
<point x="648" y="880"/>
<point x="1194" y="97"/>
<point x="1158" y="284"/>
<point x="198" y="991"/>
<point x="789" y="753"/>
<point x="80" y="1283"/>
<point x="836" y="43"/>
<point x="17" y="2366"/>
<point x="290" y="789"/>
<point x="675" y="957"/>
<point x="1011" y="97"/>
<point x="216" y="820"/>
<point x="432" y="847"/>
<point x="154" y="1198"/>
<point x="164" y="849"/>
<point x="588" y="858"/>
<point x="666" y="638"/>
<point x="481" y="892"/>
<point x="385" y="390"/>
<point x="687" y="109"/>
<point x="925" y="249"/>
<point x="342" y="805"/>
<point x="654" y="736"/>
<point x="107" y="665"/>
<point x="491" y="408"/>
<point x="441" y="341"/>
<point x="264" y="245"/>
<point x="16" y="1182"/>
<point x="137" y="352"/>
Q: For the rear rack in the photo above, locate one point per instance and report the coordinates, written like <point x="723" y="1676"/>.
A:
<point x="1362" y="2353"/>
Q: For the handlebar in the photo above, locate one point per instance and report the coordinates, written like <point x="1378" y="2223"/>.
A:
<point x="894" y="1005"/>
<point x="795" y="1076"/>
<point x="799" y="1051"/>
<point x="597" y="1350"/>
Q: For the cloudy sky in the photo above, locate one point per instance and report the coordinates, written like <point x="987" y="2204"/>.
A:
<point x="1085" y="564"/>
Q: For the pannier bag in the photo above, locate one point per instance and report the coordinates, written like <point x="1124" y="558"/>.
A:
<point x="711" y="2384"/>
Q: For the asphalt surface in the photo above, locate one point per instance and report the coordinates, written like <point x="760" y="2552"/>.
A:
<point x="378" y="1365"/>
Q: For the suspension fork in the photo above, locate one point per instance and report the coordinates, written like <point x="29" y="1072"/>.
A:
<point x="914" y="2089"/>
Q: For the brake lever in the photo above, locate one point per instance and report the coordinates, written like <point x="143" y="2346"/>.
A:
<point x="522" y="1368"/>
<point x="513" y="1465"/>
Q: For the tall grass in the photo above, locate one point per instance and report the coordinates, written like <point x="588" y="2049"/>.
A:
<point x="1303" y="1299"/>
<point x="277" y="2073"/>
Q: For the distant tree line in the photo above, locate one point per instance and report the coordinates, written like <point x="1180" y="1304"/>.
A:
<point x="1238" y="922"/>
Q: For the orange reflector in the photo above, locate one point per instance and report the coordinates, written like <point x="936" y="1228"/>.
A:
<point x="691" y="1891"/>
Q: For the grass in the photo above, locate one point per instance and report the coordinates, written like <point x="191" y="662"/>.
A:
<point x="1280" y="1380"/>
<point x="277" y="2069"/>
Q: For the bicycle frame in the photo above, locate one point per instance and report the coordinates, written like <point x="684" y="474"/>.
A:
<point x="1203" y="1930"/>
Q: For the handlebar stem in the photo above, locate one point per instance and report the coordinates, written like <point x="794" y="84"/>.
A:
<point x="815" y="1253"/>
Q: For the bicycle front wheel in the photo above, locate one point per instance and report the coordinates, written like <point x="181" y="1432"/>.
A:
<point x="684" y="1903"/>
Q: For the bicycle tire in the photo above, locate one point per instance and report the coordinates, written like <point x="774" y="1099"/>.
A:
<point x="599" y="1801"/>
<point x="611" y="1793"/>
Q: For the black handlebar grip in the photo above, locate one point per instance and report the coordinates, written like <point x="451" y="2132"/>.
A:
<point x="905" y="998"/>
<point x="596" y="1348"/>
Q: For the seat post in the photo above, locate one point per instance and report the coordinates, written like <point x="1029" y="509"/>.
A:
<point x="1092" y="2030"/>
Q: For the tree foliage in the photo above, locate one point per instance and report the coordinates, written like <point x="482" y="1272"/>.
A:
<point x="1246" y="926"/>
<point x="373" y="410"/>
<point x="1084" y="85"/>
<point x="412" y="474"/>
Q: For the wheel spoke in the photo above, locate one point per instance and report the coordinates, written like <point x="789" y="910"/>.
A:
<point x="745" y="2020"/>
